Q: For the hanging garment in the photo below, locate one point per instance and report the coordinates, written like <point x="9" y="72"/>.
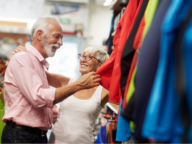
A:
<point x="143" y="29"/>
<point x="2" y="112"/>
<point x="181" y="53"/>
<point x="187" y="106"/>
<point x="128" y="111"/>
<point x="110" y="70"/>
<point x="128" y="51"/>
<point x="123" y="127"/>
<point x="162" y="120"/>
<point x="110" y="38"/>
<point x="146" y="69"/>
<point x="102" y="136"/>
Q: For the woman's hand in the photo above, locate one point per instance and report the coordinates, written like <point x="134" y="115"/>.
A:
<point x="19" y="49"/>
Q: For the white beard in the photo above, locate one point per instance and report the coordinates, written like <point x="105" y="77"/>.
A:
<point x="48" y="48"/>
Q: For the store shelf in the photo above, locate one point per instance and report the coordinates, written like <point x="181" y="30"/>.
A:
<point x="113" y="107"/>
<point x="117" y="5"/>
<point x="14" y="29"/>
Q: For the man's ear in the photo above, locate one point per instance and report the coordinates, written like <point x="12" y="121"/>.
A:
<point x="39" y="35"/>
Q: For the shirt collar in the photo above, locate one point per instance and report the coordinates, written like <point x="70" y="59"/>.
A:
<point x="35" y="52"/>
<point x="38" y="55"/>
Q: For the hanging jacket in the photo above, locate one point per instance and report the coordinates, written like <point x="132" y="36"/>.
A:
<point x="146" y="69"/>
<point x="128" y="51"/>
<point x="187" y="59"/>
<point x="110" y="70"/>
<point x="163" y="115"/>
<point x="141" y="33"/>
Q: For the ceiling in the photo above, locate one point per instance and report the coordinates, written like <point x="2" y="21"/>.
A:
<point x="99" y="2"/>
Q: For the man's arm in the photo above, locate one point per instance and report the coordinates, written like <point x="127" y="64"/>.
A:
<point x="56" y="80"/>
<point x="86" y="81"/>
<point x="31" y="86"/>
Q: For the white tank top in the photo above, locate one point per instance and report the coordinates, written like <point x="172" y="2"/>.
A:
<point x="76" y="119"/>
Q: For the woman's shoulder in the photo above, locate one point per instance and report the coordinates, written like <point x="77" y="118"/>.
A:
<point x="105" y="92"/>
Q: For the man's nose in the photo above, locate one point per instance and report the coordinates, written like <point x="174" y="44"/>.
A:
<point x="60" y="42"/>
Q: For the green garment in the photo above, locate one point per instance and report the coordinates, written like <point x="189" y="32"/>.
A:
<point x="2" y="112"/>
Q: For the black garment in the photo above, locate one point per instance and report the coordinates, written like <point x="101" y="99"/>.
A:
<point x="147" y="67"/>
<point x="129" y="109"/>
<point x="109" y="41"/>
<point x="14" y="135"/>
<point x="128" y="50"/>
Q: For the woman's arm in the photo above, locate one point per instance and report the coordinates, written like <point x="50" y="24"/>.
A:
<point x="56" y="80"/>
<point x="104" y="97"/>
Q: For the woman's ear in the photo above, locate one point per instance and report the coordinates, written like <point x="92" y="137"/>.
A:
<point x="98" y="66"/>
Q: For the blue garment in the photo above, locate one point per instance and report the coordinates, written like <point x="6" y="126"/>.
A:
<point x="102" y="136"/>
<point x="187" y="55"/>
<point x="123" y="127"/>
<point x="163" y="120"/>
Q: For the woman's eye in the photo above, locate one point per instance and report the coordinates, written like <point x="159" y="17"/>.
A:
<point x="90" y="57"/>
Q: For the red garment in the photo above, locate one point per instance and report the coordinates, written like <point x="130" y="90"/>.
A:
<point x="111" y="68"/>
<point x="136" y="45"/>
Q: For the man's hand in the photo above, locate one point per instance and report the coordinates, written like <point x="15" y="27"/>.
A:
<point x="86" y="81"/>
<point x="89" y="80"/>
<point x="19" y="49"/>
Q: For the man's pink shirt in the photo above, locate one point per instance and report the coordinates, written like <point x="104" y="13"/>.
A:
<point x="28" y="98"/>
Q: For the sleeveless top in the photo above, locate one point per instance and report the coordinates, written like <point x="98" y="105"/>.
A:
<point x="76" y="119"/>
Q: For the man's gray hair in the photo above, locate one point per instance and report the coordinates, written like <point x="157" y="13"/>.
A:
<point x="101" y="53"/>
<point x="42" y="24"/>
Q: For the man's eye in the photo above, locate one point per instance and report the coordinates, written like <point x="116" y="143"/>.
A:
<point x="90" y="57"/>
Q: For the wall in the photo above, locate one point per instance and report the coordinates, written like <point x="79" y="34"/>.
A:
<point x="96" y="18"/>
<point x="99" y="23"/>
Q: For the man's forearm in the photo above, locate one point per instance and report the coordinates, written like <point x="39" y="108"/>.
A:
<point x="66" y="91"/>
<point x="56" y="80"/>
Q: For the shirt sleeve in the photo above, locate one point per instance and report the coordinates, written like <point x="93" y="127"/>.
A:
<point x="55" y="110"/>
<point x="29" y="83"/>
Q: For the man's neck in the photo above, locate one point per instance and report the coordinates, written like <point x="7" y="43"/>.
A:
<point x="39" y="47"/>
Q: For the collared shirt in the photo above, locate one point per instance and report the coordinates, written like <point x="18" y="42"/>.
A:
<point x="28" y="98"/>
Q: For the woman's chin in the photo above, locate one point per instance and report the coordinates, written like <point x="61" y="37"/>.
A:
<point x="83" y="72"/>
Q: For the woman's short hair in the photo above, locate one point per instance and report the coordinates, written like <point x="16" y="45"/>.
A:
<point x="102" y="55"/>
<point x="42" y="24"/>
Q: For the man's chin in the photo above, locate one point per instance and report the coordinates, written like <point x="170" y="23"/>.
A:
<point x="51" y="54"/>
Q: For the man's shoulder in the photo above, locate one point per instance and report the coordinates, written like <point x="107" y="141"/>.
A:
<point x="22" y="53"/>
<point x="21" y="57"/>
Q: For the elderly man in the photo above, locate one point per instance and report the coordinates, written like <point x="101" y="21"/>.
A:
<point x="28" y="99"/>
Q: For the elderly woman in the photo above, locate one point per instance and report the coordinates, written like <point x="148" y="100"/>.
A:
<point x="77" y="113"/>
